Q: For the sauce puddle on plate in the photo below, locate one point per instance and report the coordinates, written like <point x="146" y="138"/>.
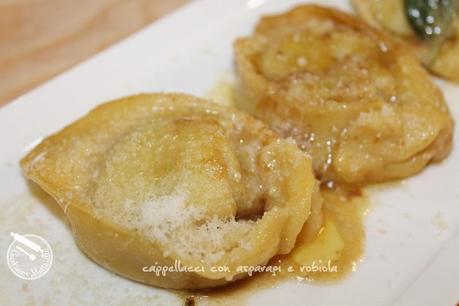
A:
<point x="322" y="256"/>
<point x="325" y="257"/>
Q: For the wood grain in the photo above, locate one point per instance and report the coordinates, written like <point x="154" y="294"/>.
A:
<point x="41" y="38"/>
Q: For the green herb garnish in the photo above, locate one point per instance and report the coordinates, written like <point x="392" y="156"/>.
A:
<point x="431" y="19"/>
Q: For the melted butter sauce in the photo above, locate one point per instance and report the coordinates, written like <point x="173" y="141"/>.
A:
<point x="336" y="250"/>
<point x="324" y="257"/>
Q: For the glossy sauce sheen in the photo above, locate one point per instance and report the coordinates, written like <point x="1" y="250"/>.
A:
<point x="356" y="100"/>
<point x="346" y="210"/>
<point x="338" y="245"/>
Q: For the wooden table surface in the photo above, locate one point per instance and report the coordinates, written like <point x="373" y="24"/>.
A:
<point x="42" y="38"/>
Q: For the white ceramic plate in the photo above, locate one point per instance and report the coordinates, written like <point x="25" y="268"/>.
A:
<point x="412" y="251"/>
